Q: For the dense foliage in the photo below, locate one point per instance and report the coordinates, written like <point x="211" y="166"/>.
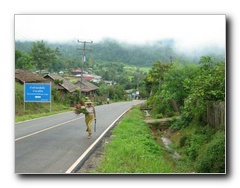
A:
<point x="212" y="159"/>
<point x="207" y="85"/>
<point x="191" y="86"/>
<point x="41" y="55"/>
<point x="22" y="60"/>
<point x="187" y="89"/>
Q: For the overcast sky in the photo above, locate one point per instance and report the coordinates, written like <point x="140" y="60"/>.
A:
<point x="188" y="31"/>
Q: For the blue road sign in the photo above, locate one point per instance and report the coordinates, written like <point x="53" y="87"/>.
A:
<point x="37" y="92"/>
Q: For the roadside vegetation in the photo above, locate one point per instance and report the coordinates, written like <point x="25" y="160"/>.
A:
<point x="133" y="149"/>
<point x="197" y="94"/>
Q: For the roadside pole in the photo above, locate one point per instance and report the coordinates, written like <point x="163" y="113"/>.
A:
<point x="83" y="60"/>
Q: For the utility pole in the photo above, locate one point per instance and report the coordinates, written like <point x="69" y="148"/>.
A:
<point x="83" y="59"/>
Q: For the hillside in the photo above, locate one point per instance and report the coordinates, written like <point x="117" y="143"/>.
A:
<point x="110" y="50"/>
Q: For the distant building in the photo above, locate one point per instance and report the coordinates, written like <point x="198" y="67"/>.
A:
<point x="27" y="76"/>
<point x="88" y="77"/>
<point x="42" y="72"/>
<point x="130" y="93"/>
<point x="87" y="88"/>
<point x="77" y="71"/>
<point x="60" y="83"/>
<point x="109" y="82"/>
<point x="96" y="79"/>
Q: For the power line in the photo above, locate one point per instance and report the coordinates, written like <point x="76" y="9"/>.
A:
<point x="22" y="36"/>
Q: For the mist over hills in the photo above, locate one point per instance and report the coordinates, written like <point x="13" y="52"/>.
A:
<point x="110" y="50"/>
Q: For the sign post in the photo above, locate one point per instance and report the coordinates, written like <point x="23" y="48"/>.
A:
<point x="37" y="92"/>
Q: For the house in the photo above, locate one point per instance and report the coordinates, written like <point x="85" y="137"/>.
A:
<point x="110" y="83"/>
<point x="96" y="79"/>
<point x="130" y="93"/>
<point x="87" y="88"/>
<point x="85" y="76"/>
<point x="88" y="77"/>
<point x="60" y="83"/>
<point x="27" y="76"/>
<point x="77" y="71"/>
<point x="42" y="72"/>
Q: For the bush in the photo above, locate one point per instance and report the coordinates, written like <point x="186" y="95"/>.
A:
<point x="177" y="124"/>
<point x="158" y="116"/>
<point x="182" y="141"/>
<point x="212" y="159"/>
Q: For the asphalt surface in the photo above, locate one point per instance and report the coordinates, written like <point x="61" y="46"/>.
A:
<point x="56" y="144"/>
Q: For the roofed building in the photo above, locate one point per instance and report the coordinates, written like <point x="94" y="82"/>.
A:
<point x="27" y="76"/>
<point x="76" y="71"/>
<point x="87" y="88"/>
<point x="60" y="83"/>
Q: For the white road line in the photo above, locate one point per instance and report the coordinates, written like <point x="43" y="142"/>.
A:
<point x="41" y="117"/>
<point x="46" y="129"/>
<point x="74" y="165"/>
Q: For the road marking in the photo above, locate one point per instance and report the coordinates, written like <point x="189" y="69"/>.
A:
<point x="41" y="117"/>
<point x="20" y="138"/>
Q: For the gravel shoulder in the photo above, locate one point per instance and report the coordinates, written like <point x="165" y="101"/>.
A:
<point x="93" y="161"/>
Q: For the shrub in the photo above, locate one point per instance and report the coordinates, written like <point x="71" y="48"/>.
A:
<point x="177" y="124"/>
<point x="212" y="159"/>
<point x="182" y="141"/>
<point x="196" y="142"/>
<point x="158" y="116"/>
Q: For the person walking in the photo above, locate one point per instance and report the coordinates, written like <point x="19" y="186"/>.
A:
<point x="89" y="116"/>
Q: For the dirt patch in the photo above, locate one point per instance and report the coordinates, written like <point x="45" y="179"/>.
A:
<point x="93" y="161"/>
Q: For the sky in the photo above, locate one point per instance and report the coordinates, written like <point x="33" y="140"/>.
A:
<point x="189" y="31"/>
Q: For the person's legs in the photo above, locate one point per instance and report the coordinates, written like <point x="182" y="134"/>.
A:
<point x="89" y="121"/>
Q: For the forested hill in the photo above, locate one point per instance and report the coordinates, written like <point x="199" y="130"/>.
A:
<point x="110" y="50"/>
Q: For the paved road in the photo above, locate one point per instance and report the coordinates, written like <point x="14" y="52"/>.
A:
<point x="55" y="144"/>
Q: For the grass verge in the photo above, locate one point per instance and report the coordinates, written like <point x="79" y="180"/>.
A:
<point x="133" y="149"/>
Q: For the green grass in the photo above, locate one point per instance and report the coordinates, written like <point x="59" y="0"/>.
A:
<point x="134" y="68"/>
<point x="133" y="149"/>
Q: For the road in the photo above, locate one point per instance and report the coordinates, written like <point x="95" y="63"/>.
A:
<point x="55" y="144"/>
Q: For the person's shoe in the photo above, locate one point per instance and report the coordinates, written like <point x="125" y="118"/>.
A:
<point x="89" y="135"/>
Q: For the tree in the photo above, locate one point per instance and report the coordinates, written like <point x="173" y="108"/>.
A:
<point x="41" y="55"/>
<point x="207" y="85"/>
<point x="22" y="60"/>
<point x="156" y="75"/>
<point x="173" y="87"/>
<point x="58" y="63"/>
